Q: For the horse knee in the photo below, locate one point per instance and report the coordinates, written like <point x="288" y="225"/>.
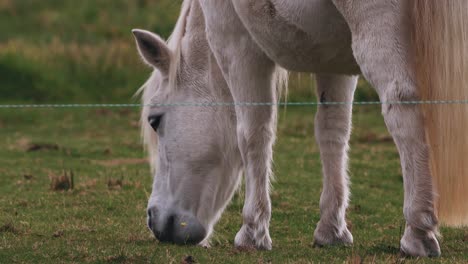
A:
<point x="397" y="109"/>
<point x="253" y="137"/>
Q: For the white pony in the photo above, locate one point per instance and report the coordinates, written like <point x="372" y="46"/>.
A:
<point x="228" y="50"/>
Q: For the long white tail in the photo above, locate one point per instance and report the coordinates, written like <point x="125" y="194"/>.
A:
<point x="440" y="41"/>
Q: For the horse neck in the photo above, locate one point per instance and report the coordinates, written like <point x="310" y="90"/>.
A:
<point x="201" y="62"/>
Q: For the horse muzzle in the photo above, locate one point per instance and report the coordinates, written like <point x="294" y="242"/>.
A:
<point x="180" y="228"/>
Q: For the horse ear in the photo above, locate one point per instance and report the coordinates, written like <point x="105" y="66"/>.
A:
<point x="153" y="50"/>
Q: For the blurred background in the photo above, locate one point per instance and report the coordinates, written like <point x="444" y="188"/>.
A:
<point x="64" y="51"/>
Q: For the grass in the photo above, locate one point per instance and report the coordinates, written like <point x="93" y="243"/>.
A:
<point x="53" y="51"/>
<point x="102" y="219"/>
<point x="65" y="52"/>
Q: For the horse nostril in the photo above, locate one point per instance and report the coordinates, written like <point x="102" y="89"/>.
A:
<point x="167" y="233"/>
<point x="155" y="121"/>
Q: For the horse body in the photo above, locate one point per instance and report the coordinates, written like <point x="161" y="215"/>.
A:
<point x="247" y="39"/>
<point x="381" y="46"/>
<point x="304" y="36"/>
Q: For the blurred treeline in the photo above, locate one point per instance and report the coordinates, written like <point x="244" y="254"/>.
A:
<point x="83" y="51"/>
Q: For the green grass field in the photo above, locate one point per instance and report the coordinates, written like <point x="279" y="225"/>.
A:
<point x="64" y="51"/>
<point x="102" y="219"/>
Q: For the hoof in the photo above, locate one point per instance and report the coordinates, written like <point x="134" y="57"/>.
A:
<point x="330" y="237"/>
<point x="248" y="239"/>
<point x="417" y="245"/>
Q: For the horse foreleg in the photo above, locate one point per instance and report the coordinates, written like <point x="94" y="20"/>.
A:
<point x="381" y="47"/>
<point x="249" y="74"/>
<point x="332" y="132"/>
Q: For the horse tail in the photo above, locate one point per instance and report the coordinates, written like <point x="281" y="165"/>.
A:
<point x="440" y="44"/>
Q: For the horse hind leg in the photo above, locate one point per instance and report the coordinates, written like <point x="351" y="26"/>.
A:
<point x="332" y="132"/>
<point x="381" y="51"/>
<point x="405" y="124"/>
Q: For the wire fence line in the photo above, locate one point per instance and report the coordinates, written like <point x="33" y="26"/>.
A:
<point x="227" y="104"/>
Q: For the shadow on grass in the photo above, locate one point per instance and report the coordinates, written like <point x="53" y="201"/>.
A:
<point x="383" y="249"/>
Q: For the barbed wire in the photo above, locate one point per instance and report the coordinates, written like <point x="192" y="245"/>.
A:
<point x="227" y="104"/>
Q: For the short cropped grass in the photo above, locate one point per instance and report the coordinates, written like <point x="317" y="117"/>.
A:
<point x="102" y="218"/>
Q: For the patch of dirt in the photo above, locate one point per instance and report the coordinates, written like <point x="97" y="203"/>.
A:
<point x="355" y="259"/>
<point x="58" y="233"/>
<point x="120" y="162"/>
<point x="9" y="228"/>
<point x="107" y="151"/>
<point x="62" y="182"/>
<point x="21" y="144"/>
<point x="188" y="260"/>
<point x="42" y="146"/>
<point x="88" y="184"/>
<point x="114" y="184"/>
<point x="238" y="250"/>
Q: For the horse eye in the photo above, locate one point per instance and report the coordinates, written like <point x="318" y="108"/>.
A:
<point x="155" y="121"/>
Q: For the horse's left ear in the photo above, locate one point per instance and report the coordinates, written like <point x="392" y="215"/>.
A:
<point x="153" y="50"/>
